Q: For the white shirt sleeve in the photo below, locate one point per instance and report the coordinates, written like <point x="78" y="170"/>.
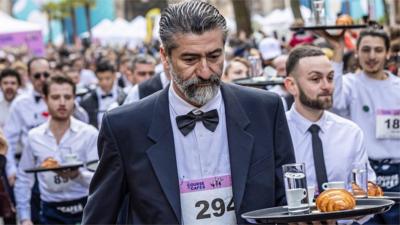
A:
<point x="24" y="184"/>
<point x="133" y="95"/>
<point x="362" y="156"/>
<point x="342" y="92"/>
<point x="86" y="176"/>
<point x="12" y="131"/>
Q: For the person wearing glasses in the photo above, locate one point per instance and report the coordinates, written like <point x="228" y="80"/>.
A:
<point x="27" y="111"/>
<point x="143" y="70"/>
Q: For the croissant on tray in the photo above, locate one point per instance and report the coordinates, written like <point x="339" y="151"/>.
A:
<point x="357" y="190"/>
<point x="374" y="189"/>
<point x="335" y="200"/>
<point x="50" y="162"/>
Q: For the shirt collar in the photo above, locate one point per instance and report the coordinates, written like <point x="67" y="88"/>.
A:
<point x="303" y="123"/>
<point x="74" y="126"/>
<point x="181" y="107"/>
<point x="100" y="92"/>
<point x="164" y="80"/>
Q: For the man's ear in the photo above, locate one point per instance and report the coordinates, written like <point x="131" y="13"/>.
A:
<point x="164" y="58"/>
<point x="290" y="85"/>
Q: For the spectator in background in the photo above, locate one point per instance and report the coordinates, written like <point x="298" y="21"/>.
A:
<point x="87" y="77"/>
<point x="237" y="68"/>
<point x="99" y="100"/>
<point x="279" y="64"/>
<point x="300" y="37"/>
<point x="124" y="74"/>
<point x="10" y="81"/>
<point x="142" y="68"/>
<point x="270" y="48"/>
<point x="22" y="69"/>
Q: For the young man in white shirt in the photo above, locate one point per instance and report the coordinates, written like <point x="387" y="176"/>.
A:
<point x="67" y="140"/>
<point x="310" y="81"/>
<point x="371" y="98"/>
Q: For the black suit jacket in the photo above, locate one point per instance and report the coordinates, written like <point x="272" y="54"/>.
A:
<point x="137" y="157"/>
<point x="90" y="103"/>
<point x="150" y="86"/>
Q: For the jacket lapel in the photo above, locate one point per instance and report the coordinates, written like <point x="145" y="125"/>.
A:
<point x="240" y="143"/>
<point x="162" y="153"/>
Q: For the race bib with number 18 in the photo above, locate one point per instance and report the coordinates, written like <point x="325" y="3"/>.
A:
<point x="388" y="124"/>
<point x="208" y="201"/>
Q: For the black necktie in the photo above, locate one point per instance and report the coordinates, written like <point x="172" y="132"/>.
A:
<point x="106" y="96"/>
<point x="37" y="98"/>
<point x="319" y="161"/>
<point x="186" y="123"/>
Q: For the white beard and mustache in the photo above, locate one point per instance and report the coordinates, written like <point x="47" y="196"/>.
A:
<point x="193" y="88"/>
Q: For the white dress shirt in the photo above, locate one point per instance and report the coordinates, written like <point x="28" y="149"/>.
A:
<point x="25" y="114"/>
<point x="342" y="141"/>
<point x="105" y="103"/>
<point x="4" y="112"/>
<point x="79" y="140"/>
<point x="201" y="154"/>
<point x="132" y="95"/>
<point x="359" y="97"/>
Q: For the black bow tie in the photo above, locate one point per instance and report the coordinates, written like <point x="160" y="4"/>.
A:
<point x="37" y="98"/>
<point x="106" y="96"/>
<point x="186" y="123"/>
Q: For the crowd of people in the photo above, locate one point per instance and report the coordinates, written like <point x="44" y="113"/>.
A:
<point x="166" y="115"/>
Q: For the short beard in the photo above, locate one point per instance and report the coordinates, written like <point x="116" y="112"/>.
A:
<point x="199" y="96"/>
<point x="314" y="104"/>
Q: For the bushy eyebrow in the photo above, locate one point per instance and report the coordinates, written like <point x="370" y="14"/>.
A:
<point x="218" y="50"/>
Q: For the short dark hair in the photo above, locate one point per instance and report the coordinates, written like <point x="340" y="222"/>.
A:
<point x="142" y="59"/>
<point x="31" y="61"/>
<point x="301" y="52"/>
<point x="57" y="79"/>
<point x="374" y="32"/>
<point x="10" y="73"/>
<point x="103" y="66"/>
<point x="191" y="16"/>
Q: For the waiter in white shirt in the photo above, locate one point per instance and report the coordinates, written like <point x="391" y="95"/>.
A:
<point x="327" y="143"/>
<point x="26" y="112"/>
<point x="67" y="140"/>
<point x="371" y="98"/>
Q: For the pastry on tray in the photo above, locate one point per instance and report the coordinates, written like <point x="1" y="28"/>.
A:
<point x="50" y="163"/>
<point x="335" y="200"/>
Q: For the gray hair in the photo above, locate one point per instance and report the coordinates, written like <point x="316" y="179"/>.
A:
<point x="192" y="16"/>
<point x="301" y="52"/>
<point x="141" y="59"/>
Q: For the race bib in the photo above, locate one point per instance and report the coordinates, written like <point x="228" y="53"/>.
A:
<point x="388" y="124"/>
<point x="54" y="182"/>
<point x="208" y="201"/>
